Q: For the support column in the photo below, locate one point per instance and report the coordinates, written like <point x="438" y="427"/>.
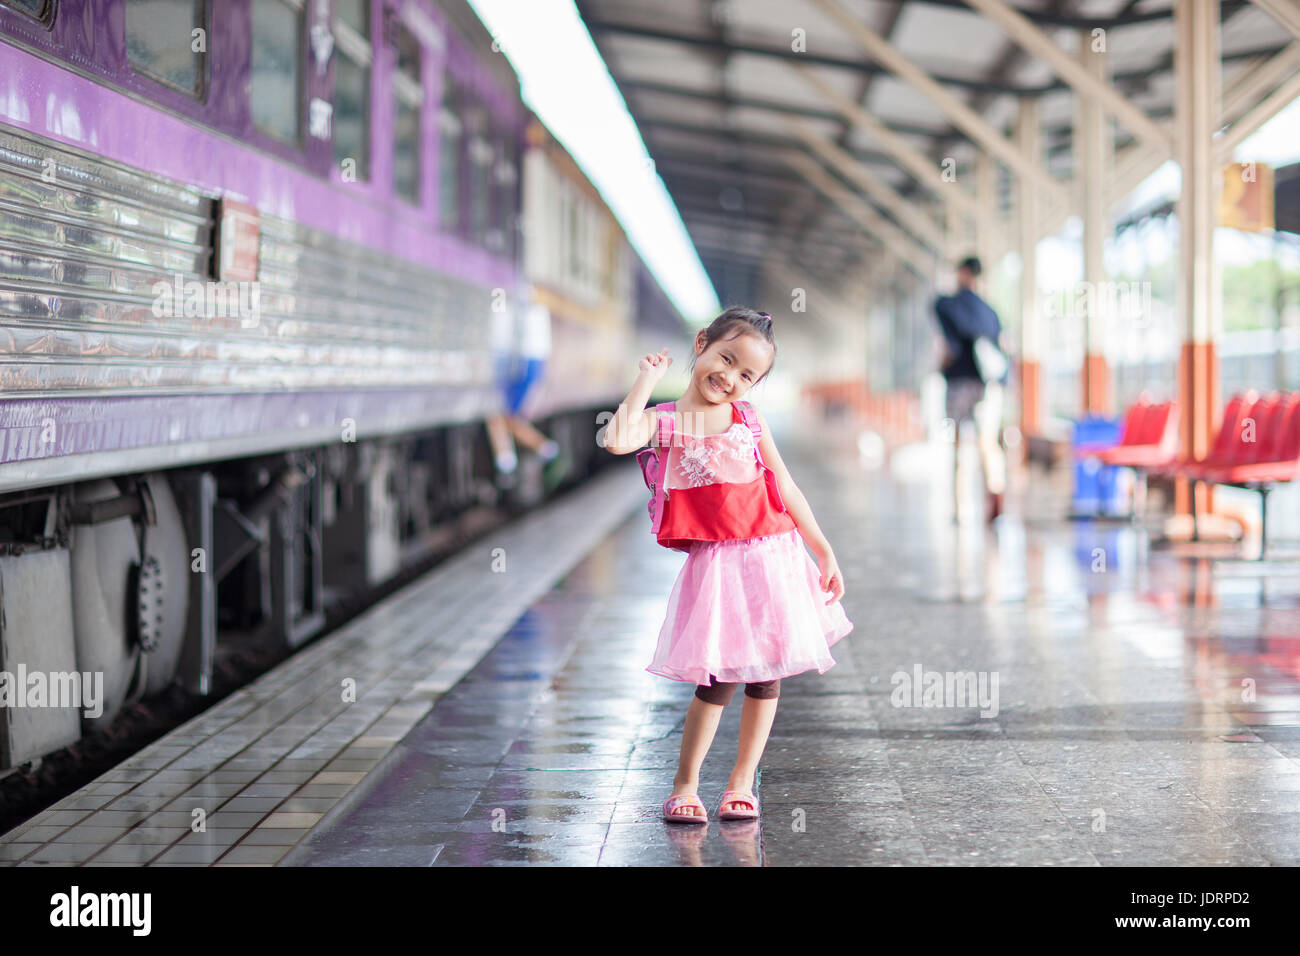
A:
<point x="1094" y="155"/>
<point x="954" y="221"/>
<point x="988" y="226"/>
<point x="1031" y="329"/>
<point x="1197" y="110"/>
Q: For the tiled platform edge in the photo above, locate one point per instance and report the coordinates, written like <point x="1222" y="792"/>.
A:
<point x="245" y="781"/>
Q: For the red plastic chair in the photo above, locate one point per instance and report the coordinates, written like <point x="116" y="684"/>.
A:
<point x="1130" y="430"/>
<point x="1283" y="461"/>
<point x="1246" y="438"/>
<point x="1268" y="439"/>
<point x="1276" y="460"/>
<point x="1225" y="442"/>
<point x="1134" y="421"/>
<point x="1155" y="441"/>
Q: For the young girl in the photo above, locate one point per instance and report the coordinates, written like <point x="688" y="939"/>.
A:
<point x="745" y="606"/>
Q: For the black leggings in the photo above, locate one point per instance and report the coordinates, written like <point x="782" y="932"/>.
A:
<point x="716" y="693"/>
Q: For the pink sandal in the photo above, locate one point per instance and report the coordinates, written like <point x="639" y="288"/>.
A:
<point x="738" y="796"/>
<point x="684" y="800"/>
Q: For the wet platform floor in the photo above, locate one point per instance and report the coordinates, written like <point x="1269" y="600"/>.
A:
<point x="1147" y="708"/>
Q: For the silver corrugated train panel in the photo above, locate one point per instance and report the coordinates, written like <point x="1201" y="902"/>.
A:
<point x="96" y="258"/>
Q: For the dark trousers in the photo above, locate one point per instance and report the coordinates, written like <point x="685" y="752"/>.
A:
<point x="716" y="693"/>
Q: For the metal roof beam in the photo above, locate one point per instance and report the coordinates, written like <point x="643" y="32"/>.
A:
<point x="1264" y="111"/>
<point x="714" y="226"/>
<point x="774" y="106"/>
<point x="961" y="115"/>
<point x="1255" y="81"/>
<point x="713" y="46"/>
<point x="1120" y="80"/>
<point x="902" y="153"/>
<point x="764" y="209"/>
<point x="1074" y="73"/>
<point x="834" y="299"/>
<point x="719" y="178"/>
<point x="1285" y="12"/>
<point x="1125" y="17"/>
<point x="783" y="52"/>
<point x="725" y="173"/>
<point x="725" y="151"/>
<point x="787" y="268"/>
<point x="1137" y="162"/>
<point x="844" y="139"/>
<point x="904" y="212"/>
<point x="753" y="241"/>
<point x="695" y="205"/>
<point x="764" y="141"/>
<point x="862" y="214"/>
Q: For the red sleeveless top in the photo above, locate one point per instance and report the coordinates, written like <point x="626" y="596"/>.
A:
<point x="717" y="487"/>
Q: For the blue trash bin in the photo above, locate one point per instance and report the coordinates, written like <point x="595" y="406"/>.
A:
<point x="1095" y="487"/>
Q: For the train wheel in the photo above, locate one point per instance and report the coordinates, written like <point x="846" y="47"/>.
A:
<point x="168" y="597"/>
<point x="101" y="558"/>
<point x="129" y="614"/>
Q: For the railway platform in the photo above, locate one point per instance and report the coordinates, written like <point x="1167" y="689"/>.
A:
<point x="246" y="780"/>
<point x="1128" y="706"/>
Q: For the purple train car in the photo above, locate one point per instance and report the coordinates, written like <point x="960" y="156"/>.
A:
<point x="250" y="251"/>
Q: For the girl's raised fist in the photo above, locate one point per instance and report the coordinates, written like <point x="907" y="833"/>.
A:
<point x="655" y="365"/>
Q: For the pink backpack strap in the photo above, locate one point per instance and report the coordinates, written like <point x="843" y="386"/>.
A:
<point x="664" y="438"/>
<point x="751" y="419"/>
<point x="664" y="431"/>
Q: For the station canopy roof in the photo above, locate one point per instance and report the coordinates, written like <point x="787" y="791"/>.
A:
<point x="719" y="90"/>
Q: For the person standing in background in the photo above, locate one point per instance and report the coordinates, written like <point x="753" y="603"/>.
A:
<point x="964" y="319"/>
<point x="519" y="371"/>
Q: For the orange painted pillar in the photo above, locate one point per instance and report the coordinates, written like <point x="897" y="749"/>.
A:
<point x="1197" y="109"/>
<point x="1031" y="319"/>
<point x="1096" y="385"/>
<point x="1198" y="392"/>
<point x="1094" y="155"/>
<point x="1031" y="402"/>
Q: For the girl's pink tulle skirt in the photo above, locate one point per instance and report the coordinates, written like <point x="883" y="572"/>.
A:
<point x="750" y="611"/>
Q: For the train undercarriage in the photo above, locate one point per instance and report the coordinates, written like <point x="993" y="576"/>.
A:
<point x="139" y="582"/>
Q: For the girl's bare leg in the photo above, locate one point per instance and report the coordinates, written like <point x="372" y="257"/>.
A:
<point x="702" y="721"/>
<point x="755" y="725"/>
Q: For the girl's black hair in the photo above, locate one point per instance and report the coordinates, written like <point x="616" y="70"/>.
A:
<point x="735" y="321"/>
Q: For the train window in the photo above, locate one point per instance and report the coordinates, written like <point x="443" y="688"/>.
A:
<point x="505" y="176"/>
<point x="480" y="173"/>
<point x="352" y="85"/>
<point x="574" y="238"/>
<point x="166" y="41"/>
<point x="451" y="133"/>
<point x="409" y="97"/>
<point x="42" y="10"/>
<point x="276" y="93"/>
